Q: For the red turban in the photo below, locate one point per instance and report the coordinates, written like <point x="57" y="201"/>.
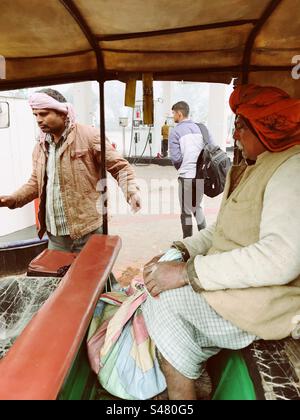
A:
<point x="273" y="114"/>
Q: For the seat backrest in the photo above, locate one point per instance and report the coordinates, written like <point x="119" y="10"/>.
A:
<point x="39" y="361"/>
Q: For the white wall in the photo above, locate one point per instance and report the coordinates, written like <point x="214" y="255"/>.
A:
<point x="218" y="112"/>
<point x="16" y="145"/>
<point x="83" y="102"/>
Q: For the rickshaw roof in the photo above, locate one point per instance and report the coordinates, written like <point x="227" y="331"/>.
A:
<point x="60" y="41"/>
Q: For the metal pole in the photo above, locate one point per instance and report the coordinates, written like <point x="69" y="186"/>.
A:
<point x="103" y="159"/>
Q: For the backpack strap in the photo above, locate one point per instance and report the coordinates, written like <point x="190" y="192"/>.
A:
<point x="205" y="133"/>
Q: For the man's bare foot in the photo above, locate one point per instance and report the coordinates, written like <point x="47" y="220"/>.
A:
<point x="162" y="396"/>
<point x="203" y="386"/>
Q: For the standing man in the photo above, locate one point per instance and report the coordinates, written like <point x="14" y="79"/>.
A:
<point x="66" y="172"/>
<point x="165" y="138"/>
<point x="186" y="144"/>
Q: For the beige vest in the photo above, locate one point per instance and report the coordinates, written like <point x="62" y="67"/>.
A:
<point x="267" y="312"/>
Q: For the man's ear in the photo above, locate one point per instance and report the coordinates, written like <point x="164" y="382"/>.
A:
<point x="63" y="116"/>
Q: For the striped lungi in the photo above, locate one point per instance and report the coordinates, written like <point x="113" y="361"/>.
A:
<point x="187" y="330"/>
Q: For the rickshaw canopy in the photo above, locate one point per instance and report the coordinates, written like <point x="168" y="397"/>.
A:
<point x="60" y="41"/>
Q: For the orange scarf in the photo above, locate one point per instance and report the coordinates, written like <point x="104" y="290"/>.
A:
<point x="273" y="114"/>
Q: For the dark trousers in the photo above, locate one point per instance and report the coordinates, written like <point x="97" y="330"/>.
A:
<point x="190" y="193"/>
<point x="65" y="243"/>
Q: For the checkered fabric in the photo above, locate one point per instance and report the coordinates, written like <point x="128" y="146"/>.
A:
<point x="187" y="331"/>
<point x="55" y="214"/>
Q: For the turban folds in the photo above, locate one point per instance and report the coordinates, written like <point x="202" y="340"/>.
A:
<point x="273" y="114"/>
<point x="41" y="100"/>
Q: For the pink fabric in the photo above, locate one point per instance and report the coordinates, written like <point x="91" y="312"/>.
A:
<point x="44" y="101"/>
<point x="96" y="342"/>
<point x="130" y="308"/>
<point x="140" y="329"/>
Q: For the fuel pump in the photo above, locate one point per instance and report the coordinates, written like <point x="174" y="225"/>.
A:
<point x="146" y="139"/>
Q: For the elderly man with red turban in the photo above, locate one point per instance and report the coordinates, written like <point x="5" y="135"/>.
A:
<point x="239" y="279"/>
<point x="66" y="173"/>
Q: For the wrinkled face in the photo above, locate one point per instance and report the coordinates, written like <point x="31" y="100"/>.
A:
<point x="246" y="140"/>
<point x="49" y="121"/>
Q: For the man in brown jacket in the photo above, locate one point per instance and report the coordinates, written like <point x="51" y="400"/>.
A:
<point x="66" y="175"/>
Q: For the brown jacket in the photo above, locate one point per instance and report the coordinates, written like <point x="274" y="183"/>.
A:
<point x="79" y="174"/>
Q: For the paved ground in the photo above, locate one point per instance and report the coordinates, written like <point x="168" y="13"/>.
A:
<point x="153" y="229"/>
<point x="150" y="232"/>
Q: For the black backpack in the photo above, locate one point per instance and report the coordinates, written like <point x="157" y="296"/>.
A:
<point x="212" y="165"/>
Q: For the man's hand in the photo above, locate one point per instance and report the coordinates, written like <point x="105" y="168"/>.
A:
<point x="7" y="201"/>
<point x="135" y="202"/>
<point x="159" y="277"/>
<point x="154" y="260"/>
